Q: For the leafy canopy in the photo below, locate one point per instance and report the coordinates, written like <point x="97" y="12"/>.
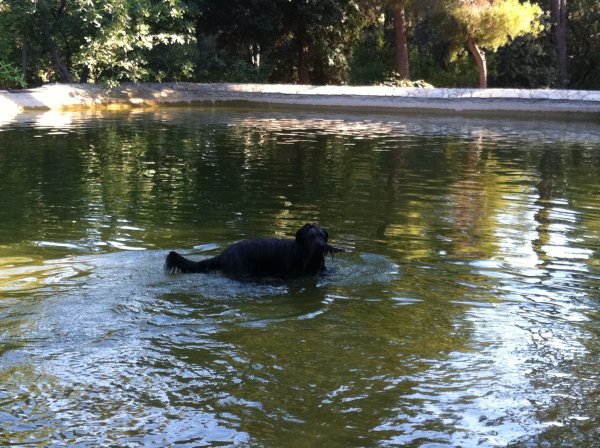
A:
<point x="107" y="41"/>
<point x="494" y="23"/>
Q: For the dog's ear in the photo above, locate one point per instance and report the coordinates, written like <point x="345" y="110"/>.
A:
<point x="326" y="234"/>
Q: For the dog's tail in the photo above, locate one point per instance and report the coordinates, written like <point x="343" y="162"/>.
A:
<point x="177" y="263"/>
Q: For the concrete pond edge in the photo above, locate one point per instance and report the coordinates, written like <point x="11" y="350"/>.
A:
<point x="507" y="101"/>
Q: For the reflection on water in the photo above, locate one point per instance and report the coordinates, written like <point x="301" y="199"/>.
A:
<point x="465" y="313"/>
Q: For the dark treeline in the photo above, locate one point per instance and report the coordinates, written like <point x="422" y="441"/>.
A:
<point x="447" y="43"/>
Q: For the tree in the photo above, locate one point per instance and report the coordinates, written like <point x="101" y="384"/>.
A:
<point x="247" y="29"/>
<point x="584" y="43"/>
<point x="401" y="37"/>
<point x="305" y="41"/>
<point x="107" y="40"/>
<point x="560" y="19"/>
<point x="489" y="24"/>
<point x="527" y="62"/>
<point x="124" y="36"/>
<point x="323" y="34"/>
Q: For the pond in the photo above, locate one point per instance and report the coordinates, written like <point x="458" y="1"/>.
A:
<point x="465" y="312"/>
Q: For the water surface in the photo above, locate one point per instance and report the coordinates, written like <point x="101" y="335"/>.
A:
<point x="465" y="313"/>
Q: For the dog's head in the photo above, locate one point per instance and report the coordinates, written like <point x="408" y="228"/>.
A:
<point x="312" y="241"/>
<point x="312" y="238"/>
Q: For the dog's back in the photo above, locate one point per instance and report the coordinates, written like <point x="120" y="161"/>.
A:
<point x="262" y="257"/>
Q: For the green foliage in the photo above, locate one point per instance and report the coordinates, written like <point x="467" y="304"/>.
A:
<point x="126" y="35"/>
<point x="9" y="54"/>
<point x="11" y="76"/>
<point x="324" y="41"/>
<point x="108" y="41"/>
<point x="489" y="24"/>
<point x="395" y="80"/>
<point x="584" y="43"/>
<point x="438" y="54"/>
<point x="526" y="63"/>
<point x="213" y="65"/>
<point x="372" y="58"/>
<point x="326" y="30"/>
<point x="330" y="29"/>
<point x="493" y="24"/>
<point x="461" y="72"/>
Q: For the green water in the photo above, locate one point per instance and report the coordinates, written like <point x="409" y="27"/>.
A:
<point x="466" y="312"/>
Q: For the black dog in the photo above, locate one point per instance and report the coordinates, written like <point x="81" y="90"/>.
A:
<point x="265" y="257"/>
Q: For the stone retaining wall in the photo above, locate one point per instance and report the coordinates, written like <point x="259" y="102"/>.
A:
<point x="78" y="96"/>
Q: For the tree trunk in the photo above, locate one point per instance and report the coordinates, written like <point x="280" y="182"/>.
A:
<point x="560" y="18"/>
<point x="479" y="56"/>
<point x="63" y="71"/>
<point x="303" y="65"/>
<point x="24" y="43"/>
<point x="400" y="30"/>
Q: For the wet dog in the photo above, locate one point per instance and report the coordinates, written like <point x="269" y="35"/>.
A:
<point x="265" y="257"/>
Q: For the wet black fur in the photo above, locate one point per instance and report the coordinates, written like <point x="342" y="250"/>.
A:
<point x="265" y="257"/>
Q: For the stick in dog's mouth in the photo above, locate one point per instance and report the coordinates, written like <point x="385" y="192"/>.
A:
<point x="331" y="250"/>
